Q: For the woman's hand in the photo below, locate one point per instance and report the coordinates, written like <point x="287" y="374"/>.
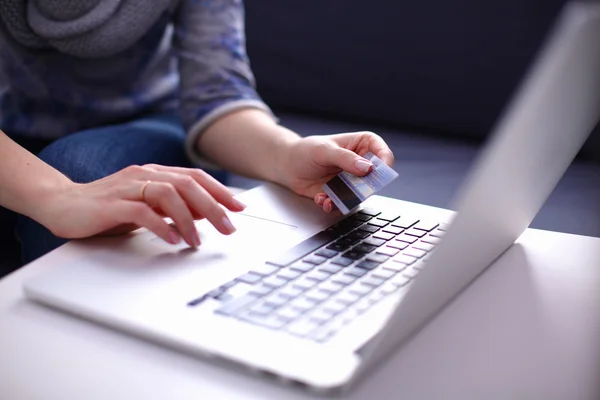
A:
<point x="310" y="162"/>
<point x="140" y="196"/>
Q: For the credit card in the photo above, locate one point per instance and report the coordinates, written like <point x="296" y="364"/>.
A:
<point x="347" y="191"/>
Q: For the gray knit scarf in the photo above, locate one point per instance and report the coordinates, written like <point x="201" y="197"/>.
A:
<point x="82" y="28"/>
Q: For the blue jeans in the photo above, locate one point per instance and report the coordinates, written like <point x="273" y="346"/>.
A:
<point x="95" y="153"/>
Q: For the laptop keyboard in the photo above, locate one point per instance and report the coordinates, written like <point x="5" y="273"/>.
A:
<point x="323" y="283"/>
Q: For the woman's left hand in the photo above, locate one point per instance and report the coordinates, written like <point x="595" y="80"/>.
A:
<point x="310" y="162"/>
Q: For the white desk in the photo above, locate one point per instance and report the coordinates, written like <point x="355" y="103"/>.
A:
<point x="517" y="333"/>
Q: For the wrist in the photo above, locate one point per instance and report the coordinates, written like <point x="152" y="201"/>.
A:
<point x="283" y="161"/>
<point x="48" y="198"/>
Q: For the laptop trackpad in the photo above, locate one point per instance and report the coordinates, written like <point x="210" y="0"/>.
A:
<point x="253" y="234"/>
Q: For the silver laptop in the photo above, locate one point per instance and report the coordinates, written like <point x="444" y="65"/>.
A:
<point x="317" y="299"/>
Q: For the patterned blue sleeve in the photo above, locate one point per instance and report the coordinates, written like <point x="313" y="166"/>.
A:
<point x="215" y="75"/>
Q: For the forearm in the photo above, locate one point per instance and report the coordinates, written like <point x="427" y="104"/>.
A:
<point x="248" y="142"/>
<point x="25" y="180"/>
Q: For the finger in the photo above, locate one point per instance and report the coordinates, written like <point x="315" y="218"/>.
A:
<point x="140" y="214"/>
<point x="163" y="195"/>
<point x="364" y="142"/>
<point x="216" y="189"/>
<point x="328" y="205"/>
<point x="377" y="146"/>
<point x="333" y="155"/>
<point x="197" y="200"/>
<point x="320" y="198"/>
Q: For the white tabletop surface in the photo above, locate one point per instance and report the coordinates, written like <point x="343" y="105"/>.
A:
<point x="528" y="328"/>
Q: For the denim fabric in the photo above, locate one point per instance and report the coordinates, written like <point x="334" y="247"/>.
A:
<point x="93" y="154"/>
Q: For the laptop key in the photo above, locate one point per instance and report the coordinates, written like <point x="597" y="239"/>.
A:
<point x="317" y="276"/>
<point x="383" y="273"/>
<point x="369" y="211"/>
<point x="384" y="235"/>
<point x="423" y="246"/>
<point x="361" y="217"/>
<point x="348" y="241"/>
<point x="331" y="268"/>
<point x="333" y="307"/>
<point x="426" y="225"/>
<point x="301" y="266"/>
<point x="287" y="313"/>
<point x="399" y="280"/>
<point x="317" y="295"/>
<point x="261" y="308"/>
<point x="415" y="232"/>
<point x="274" y="281"/>
<point x="378" y="258"/>
<point x="330" y="287"/>
<point x="388" y="216"/>
<point x="389" y="288"/>
<point x="303" y="284"/>
<point x="265" y="270"/>
<point x="347" y="298"/>
<point x="338" y="247"/>
<point x="394" y="266"/>
<point x="327" y="253"/>
<point x="368" y="265"/>
<point x="355" y="271"/>
<point x="404" y="259"/>
<point x="288" y="274"/>
<point x="364" y="248"/>
<point x="361" y="290"/>
<point x="372" y="281"/>
<point x="437" y="233"/>
<point x="431" y="239"/>
<point x="261" y="290"/>
<point x="369" y="228"/>
<point x="290" y="292"/>
<point x="235" y="305"/>
<point x="378" y="223"/>
<point x="411" y="273"/>
<point x="314" y="259"/>
<point x="301" y="304"/>
<point x="396" y="230"/>
<point x="249" y="278"/>
<point x="403" y="237"/>
<point x="343" y="279"/>
<point x="405" y="222"/>
<point x="395" y="244"/>
<point x="275" y="301"/>
<point x="319" y="316"/>
<point x="354" y="255"/>
<point x="387" y="251"/>
<point x="414" y="252"/>
<point x="342" y="261"/>
<point x="358" y="234"/>
<point x="372" y="241"/>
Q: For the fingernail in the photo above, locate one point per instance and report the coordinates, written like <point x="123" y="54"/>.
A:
<point x="320" y="200"/>
<point x="174" y="238"/>
<point x="239" y="204"/>
<point x="363" y="165"/>
<point x="196" y="239"/>
<point x="327" y="207"/>
<point x="228" y="225"/>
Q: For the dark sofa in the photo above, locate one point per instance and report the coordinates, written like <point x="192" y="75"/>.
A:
<point x="431" y="77"/>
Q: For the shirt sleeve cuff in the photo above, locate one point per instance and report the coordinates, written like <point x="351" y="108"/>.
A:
<point x="200" y="126"/>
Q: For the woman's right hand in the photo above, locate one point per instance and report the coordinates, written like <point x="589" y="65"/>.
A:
<point x="140" y="196"/>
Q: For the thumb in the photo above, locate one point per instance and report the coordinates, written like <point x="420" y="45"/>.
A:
<point x="348" y="161"/>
